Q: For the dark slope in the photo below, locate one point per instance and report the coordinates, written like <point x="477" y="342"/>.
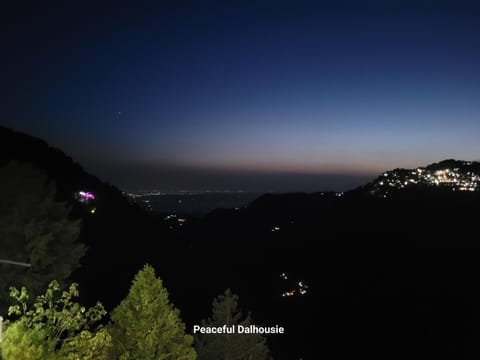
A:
<point x="390" y="277"/>
<point x="120" y="236"/>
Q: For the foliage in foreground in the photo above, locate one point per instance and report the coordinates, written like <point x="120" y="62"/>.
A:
<point x="144" y="326"/>
<point x="34" y="229"/>
<point x="54" y="328"/>
<point x="147" y="326"/>
<point x="229" y="346"/>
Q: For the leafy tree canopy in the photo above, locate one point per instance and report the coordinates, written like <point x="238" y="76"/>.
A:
<point x="54" y="328"/>
<point x="147" y="326"/>
<point x="37" y="238"/>
<point x="230" y="346"/>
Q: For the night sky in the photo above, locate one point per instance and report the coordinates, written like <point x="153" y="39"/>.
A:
<point x="250" y="95"/>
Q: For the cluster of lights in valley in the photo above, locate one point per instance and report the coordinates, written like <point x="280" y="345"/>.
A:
<point x="452" y="178"/>
<point x="173" y="220"/>
<point x="300" y="288"/>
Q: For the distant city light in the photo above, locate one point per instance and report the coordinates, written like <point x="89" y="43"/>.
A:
<point x="452" y="178"/>
<point x="288" y="293"/>
<point x="301" y="288"/>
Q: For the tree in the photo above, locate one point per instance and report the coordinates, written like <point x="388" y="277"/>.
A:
<point x="35" y="231"/>
<point x="229" y="346"/>
<point x="54" y="328"/>
<point x="146" y="325"/>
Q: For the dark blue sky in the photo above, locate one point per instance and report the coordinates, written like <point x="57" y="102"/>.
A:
<point x="255" y="95"/>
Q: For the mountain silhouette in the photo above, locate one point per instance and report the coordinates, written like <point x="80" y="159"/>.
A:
<point x="390" y="275"/>
<point x="120" y="237"/>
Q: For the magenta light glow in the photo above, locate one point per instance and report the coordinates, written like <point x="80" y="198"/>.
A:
<point x="85" y="195"/>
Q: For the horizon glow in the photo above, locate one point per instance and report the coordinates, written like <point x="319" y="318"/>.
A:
<point x="197" y="92"/>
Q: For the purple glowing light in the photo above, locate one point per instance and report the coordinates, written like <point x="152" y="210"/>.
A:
<point x="85" y="195"/>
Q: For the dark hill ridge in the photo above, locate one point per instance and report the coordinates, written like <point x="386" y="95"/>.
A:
<point x="399" y="270"/>
<point x="119" y="235"/>
<point x="454" y="175"/>
<point x="383" y="273"/>
<point x="68" y="175"/>
<point x="437" y="179"/>
<point x="435" y="205"/>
